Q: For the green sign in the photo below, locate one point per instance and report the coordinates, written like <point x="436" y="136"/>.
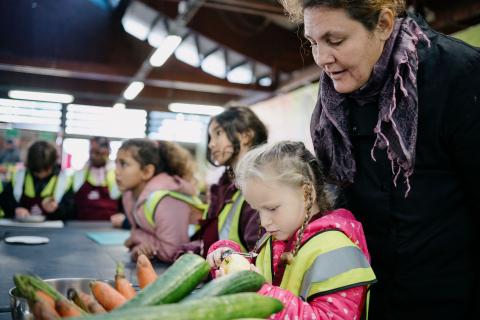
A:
<point x="49" y="136"/>
<point x="12" y="133"/>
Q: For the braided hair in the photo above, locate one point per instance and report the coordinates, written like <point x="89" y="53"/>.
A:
<point x="289" y="163"/>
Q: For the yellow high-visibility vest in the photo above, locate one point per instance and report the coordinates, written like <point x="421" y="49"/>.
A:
<point x="84" y="174"/>
<point x="56" y="187"/>
<point x="155" y="197"/>
<point x="328" y="262"/>
<point x="229" y="220"/>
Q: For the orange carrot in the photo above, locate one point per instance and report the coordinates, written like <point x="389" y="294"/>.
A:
<point x="45" y="297"/>
<point x="67" y="309"/>
<point x="106" y="295"/>
<point x="85" y="301"/>
<point x="145" y="272"/>
<point x="122" y="284"/>
<point x="42" y="310"/>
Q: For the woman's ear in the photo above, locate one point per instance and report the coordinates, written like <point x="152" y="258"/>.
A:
<point x="386" y="21"/>
<point x="148" y="172"/>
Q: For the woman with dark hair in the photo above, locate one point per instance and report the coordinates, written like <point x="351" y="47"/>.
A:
<point x="41" y="189"/>
<point x="397" y="126"/>
<point x="230" y="135"/>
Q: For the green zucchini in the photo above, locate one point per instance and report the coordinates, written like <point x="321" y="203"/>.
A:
<point x="234" y="306"/>
<point x="243" y="281"/>
<point x="172" y="285"/>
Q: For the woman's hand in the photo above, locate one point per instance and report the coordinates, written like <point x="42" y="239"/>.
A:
<point x="215" y="258"/>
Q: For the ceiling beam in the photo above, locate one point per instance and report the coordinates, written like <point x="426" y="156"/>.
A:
<point x="173" y="75"/>
<point x="106" y="93"/>
<point x="262" y="41"/>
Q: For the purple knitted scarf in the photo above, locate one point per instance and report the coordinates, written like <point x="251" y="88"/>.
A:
<point x="393" y="84"/>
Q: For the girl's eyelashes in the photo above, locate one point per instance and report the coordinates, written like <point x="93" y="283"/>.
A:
<point x="271" y="209"/>
<point x="121" y="163"/>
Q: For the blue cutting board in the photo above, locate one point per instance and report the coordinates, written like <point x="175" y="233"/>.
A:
<point x="109" y="238"/>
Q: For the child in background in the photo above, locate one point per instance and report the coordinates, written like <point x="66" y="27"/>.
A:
<point x="230" y="135"/>
<point x="315" y="259"/>
<point x="42" y="189"/>
<point x="157" y="182"/>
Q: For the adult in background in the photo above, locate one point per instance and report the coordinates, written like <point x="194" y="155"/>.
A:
<point x="96" y="192"/>
<point x="397" y="124"/>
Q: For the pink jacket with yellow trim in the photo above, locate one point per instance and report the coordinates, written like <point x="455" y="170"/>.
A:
<point x="346" y="304"/>
<point x="171" y="216"/>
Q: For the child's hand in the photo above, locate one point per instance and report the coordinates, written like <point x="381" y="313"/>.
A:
<point x="130" y="242"/>
<point x="49" y="204"/>
<point x="117" y="220"/>
<point x="21" y="213"/>
<point x="145" y="249"/>
<point x="215" y="258"/>
<point x="254" y="268"/>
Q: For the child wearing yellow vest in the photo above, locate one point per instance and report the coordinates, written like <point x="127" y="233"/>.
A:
<point x="41" y="189"/>
<point x="314" y="258"/>
<point x="157" y="183"/>
<point x="229" y="217"/>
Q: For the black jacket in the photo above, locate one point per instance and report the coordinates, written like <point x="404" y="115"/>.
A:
<point x="423" y="247"/>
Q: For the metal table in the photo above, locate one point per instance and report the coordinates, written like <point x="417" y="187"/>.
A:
<point x="69" y="254"/>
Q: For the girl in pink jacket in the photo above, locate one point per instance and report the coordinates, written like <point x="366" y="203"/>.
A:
<point x="158" y="196"/>
<point x="315" y="259"/>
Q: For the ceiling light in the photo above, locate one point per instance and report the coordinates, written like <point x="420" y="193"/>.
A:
<point x="187" y="52"/>
<point x="119" y="106"/>
<point x="215" y="64"/>
<point x="157" y="34"/>
<point x="265" y="81"/>
<point x="165" y="50"/>
<point x="241" y="74"/>
<point x="133" y="90"/>
<point x="40" y="96"/>
<point x="138" y="19"/>
<point x="195" y="108"/>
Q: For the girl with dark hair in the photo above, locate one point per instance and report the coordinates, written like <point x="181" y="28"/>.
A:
<point x="41" y="190"/>
<point x="230" y="135"/>
<point x="314" y="259"/>
<point x="397" y="125"/>
<point x="159" y="196"/>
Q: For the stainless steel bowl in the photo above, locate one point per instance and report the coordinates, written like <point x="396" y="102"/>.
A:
<point x="19" y="306"/>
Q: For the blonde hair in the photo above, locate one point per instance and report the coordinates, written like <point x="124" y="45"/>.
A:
<point x="292" y="164"/>
<point x="364" y="11"/>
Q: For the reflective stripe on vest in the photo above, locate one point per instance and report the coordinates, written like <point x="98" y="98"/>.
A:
<point x="57" y="186"/>
<point x="155" y="197"/>
<point x="327" y="262"/>
<point x="1" y="190"/>
<point x="229" y="218"/>
<point x="84" y="174"/>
